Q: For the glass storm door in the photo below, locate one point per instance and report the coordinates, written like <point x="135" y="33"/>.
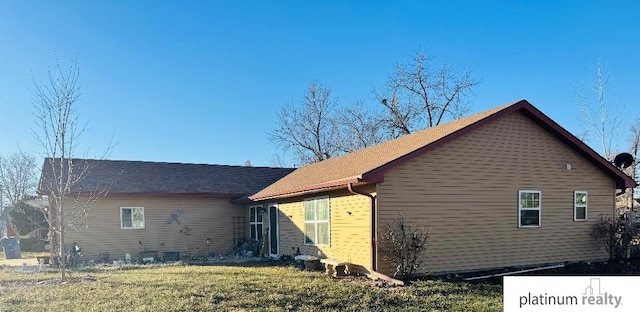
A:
<point x="273" y="231"/>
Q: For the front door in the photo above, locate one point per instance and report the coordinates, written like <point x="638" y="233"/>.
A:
<point x="273" y="231"/>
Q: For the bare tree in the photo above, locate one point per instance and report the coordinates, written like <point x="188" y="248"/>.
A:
<point x="599" y="118"/>
<point x="58" y="131"/>
<point x="309" y="129"/>
<point x="422" y="94"/>
<point x="359" y="128"/>
<point x="417" y="96"/>
<point x="18" y="177"/>
<point x="635" y="146"/>
<point x="634" y="150"/>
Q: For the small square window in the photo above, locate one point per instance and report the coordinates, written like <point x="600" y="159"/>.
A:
<point x="580" y="199"/>
<point x="131" y="217"/>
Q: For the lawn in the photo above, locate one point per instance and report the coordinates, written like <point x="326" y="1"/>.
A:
<point x="253" y="287"/>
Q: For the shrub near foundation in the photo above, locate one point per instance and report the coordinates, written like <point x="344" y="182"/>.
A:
<point x="404" y="246"/>
<point x="616" y="235"/>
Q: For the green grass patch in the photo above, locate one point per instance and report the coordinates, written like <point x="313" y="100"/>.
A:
<point x="231" y="288"/>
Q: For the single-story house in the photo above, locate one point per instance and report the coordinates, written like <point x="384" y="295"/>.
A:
<point x="148" y="205"/>
<point x="504" y="187"/>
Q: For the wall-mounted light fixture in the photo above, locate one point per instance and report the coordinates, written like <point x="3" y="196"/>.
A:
<point x="568" y="166"/>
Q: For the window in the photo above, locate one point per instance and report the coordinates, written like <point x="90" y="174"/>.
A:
<point x="255" y="222"/>
<point x="529" y="208"/>
<point x="316" y="221"/>
<point x="580" y="206"/>
<point x="43" y="234"/>
<point x="131" y="217"/>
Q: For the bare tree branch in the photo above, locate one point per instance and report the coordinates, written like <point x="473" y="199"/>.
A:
<point x="421" y="95"/>
<point x="634" y="150"/>
<point x="18" y="177"/>
<point x="309" y="128"/>
<point x="359" y="128"/>
<point x="599" y="118"/>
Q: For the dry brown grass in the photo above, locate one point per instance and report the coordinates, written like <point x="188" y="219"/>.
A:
<point x="256" y="287"/>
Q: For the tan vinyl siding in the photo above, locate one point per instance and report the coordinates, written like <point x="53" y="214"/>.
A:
<point x="350" y="233"/>
<point x="466" y="191"/>
<point x="207" y="217"/>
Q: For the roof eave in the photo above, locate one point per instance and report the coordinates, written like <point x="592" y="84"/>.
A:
<point x="167" y="194"/>
<point x="324" y="186"/>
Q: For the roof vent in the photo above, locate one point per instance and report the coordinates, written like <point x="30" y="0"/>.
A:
<point x="247" y="163"/>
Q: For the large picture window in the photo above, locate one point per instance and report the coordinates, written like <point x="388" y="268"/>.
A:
<point x="580" y="206"/>
<point x="131" y="217"/>
<point x="529" y="208"/>
<point x="316" y="221"/>
<point x="255" y="222"/>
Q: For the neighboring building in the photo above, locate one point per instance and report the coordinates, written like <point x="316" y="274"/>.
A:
<point x="505" y="187"/>
<point x="6" y="230"/>
<point x="3" y="222"/>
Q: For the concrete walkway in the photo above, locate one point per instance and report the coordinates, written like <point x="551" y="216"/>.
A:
<point x="18" y="262"/>
<point x="22" y="265"/>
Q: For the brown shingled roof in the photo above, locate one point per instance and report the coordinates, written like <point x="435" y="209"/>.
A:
<point x="368" y="165"/>
<point x="162" y="178"/>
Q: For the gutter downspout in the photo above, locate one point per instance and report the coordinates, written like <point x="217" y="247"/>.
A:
<point x="374" y="264"/>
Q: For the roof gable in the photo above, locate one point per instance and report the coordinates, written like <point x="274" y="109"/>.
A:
<point x="158" y="178"/>
<point x="370" y="164"/>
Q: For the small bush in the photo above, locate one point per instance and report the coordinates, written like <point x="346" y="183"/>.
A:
<point x="287" y="260"/>
<point x="616" y="235"/>
<point x="405" y="246"/>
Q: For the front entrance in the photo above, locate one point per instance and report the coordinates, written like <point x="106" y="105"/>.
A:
<point x="274" y="242"/>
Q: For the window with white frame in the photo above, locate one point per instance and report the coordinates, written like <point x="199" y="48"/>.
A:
<point x="580" y="206"/>
<point x="255" y="222"/>
<point x="316" y="221"/>
<point x="132" y="217"/>
<point x="529" y="208"/>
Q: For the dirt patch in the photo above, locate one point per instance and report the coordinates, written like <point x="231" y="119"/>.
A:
<point x="357" y="280"/>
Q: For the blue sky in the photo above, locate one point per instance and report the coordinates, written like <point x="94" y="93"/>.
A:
<point x="196" y="81"/>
